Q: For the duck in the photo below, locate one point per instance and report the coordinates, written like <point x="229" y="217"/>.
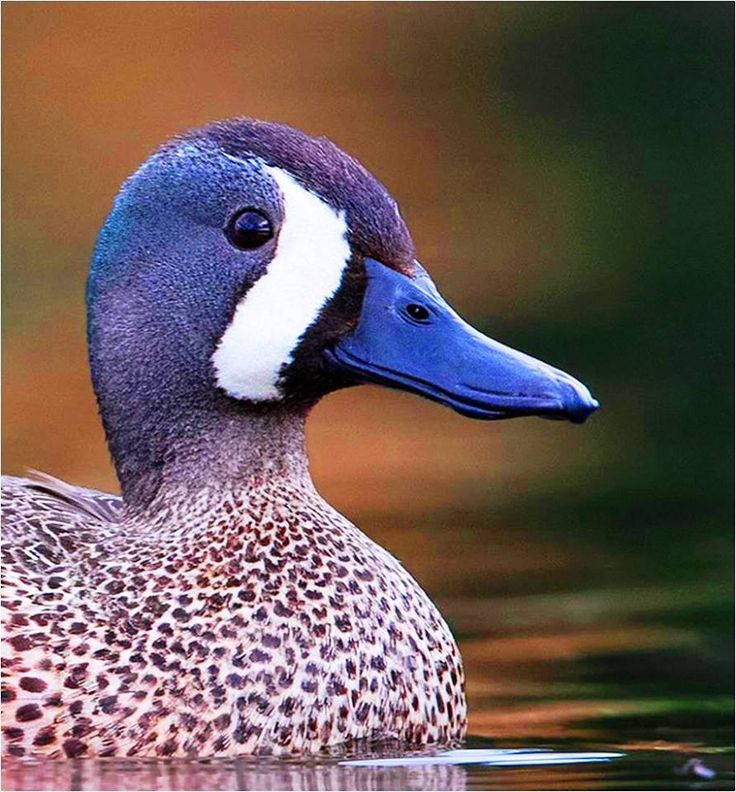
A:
<point x="220" y="606"/>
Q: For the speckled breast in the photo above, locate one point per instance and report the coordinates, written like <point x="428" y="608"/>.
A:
<point x="261" y="623"/>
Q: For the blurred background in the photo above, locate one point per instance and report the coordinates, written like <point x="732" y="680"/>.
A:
<point x="566" y="170"/>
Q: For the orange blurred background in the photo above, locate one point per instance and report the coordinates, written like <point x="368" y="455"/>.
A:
<point x="565" y="171"/>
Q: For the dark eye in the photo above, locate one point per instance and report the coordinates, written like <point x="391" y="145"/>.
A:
<point x="249" y="229"/>
<point x="417" y="312"/>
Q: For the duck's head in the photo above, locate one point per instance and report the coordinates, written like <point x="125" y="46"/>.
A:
<point x="247" y="266"/>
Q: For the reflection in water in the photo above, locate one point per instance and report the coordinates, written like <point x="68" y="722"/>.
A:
<point x="225" y="775"/>
<point x="489" y="757"/>
<point x="493" y="769"/>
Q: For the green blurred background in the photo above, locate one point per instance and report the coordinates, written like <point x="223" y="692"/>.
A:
<point x="567" y="172"/>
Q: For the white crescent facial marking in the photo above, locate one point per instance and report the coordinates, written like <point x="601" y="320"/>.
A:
<point x="311" y="255"/>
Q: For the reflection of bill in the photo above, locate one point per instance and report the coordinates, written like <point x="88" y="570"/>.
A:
<point x="490" y="757"/>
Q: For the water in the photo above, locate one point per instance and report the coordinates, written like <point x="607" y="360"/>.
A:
<point x="653" y="769"/>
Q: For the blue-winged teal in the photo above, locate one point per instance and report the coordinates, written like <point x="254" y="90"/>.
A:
<point x="221" y="607"/>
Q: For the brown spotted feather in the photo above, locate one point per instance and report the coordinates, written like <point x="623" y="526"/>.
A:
<point x="251" y="621"/>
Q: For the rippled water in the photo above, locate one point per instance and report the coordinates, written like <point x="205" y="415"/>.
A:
<point x="640" y="769"/>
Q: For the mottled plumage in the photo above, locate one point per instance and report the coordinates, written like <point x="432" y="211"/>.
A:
<point x="247" y="621"/>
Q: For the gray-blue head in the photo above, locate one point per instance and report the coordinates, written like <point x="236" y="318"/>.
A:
<point x="247" y="268"/>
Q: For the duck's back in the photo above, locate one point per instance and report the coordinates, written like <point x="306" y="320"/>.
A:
<point x="46" y="526"/>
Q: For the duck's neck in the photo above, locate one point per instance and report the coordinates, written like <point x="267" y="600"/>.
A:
<point x="221" y="453"/>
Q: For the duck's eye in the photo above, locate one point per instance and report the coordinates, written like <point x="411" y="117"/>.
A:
<point x="417" y="312"/>
<point x="249" y="229"/>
